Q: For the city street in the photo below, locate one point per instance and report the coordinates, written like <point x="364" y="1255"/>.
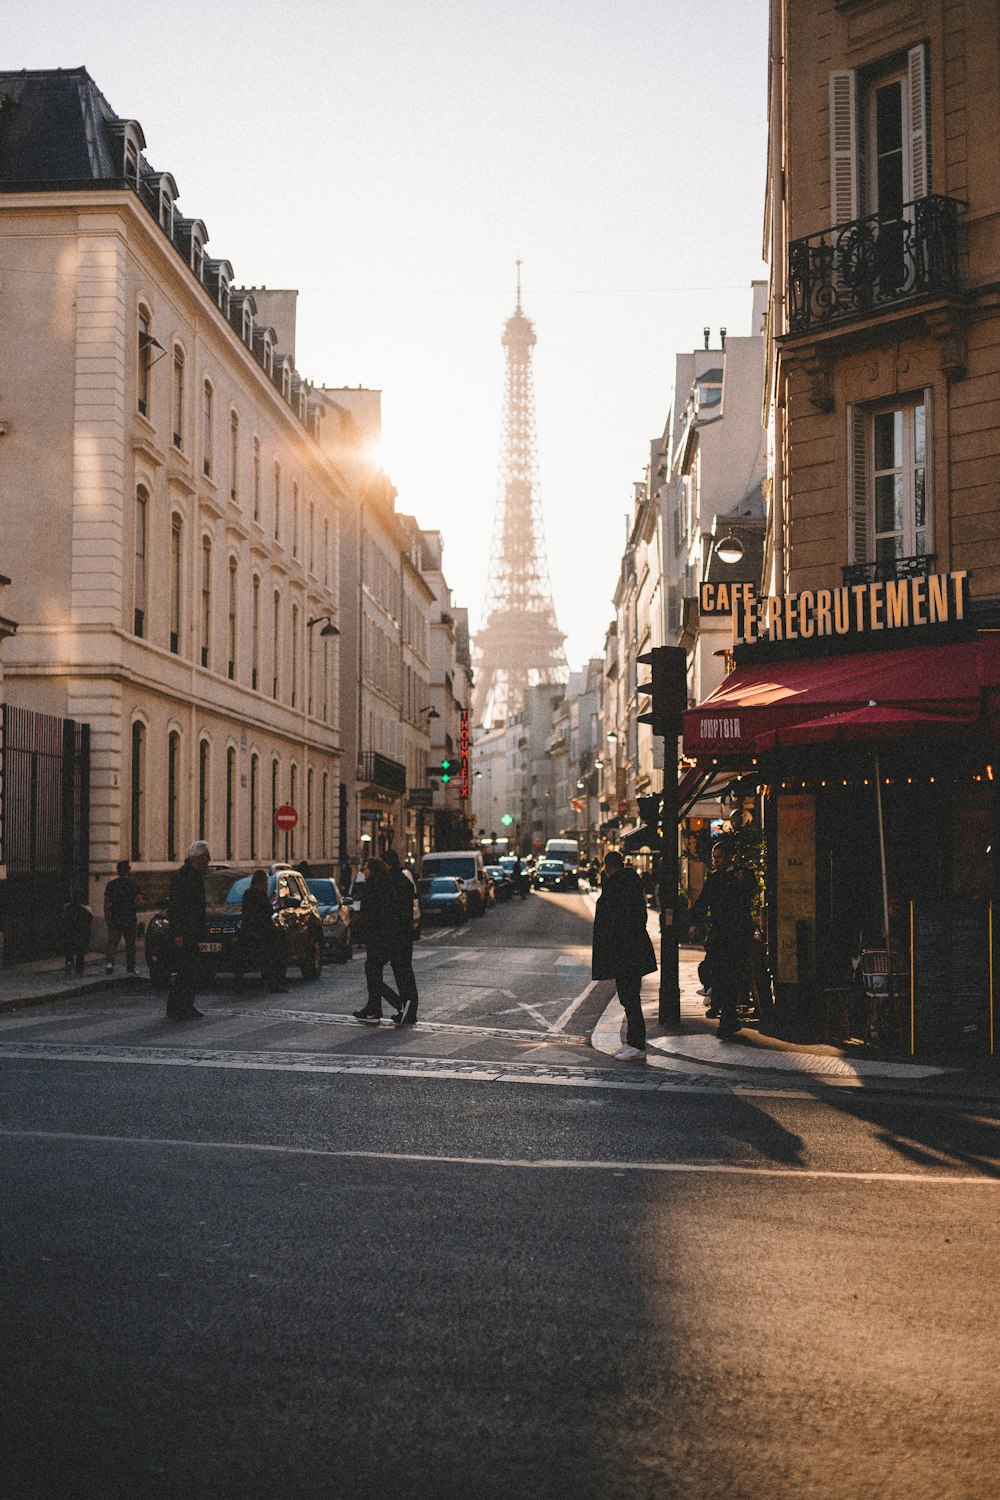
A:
<point x="278" y="1253"/>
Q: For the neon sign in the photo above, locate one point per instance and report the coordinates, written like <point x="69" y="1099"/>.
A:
<point x="463" y="782"/>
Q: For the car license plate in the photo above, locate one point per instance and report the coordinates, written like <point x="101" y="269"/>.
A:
<point x="209" y="947"/>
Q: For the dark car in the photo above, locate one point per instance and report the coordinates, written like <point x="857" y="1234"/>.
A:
<point x="550" y="875"/>
<point x="503" y="884"/>
<point x="443" y="899"/>
<point x="335" y="915"/>
<point x="296" y="919"/>
<point x="356" y="889"/>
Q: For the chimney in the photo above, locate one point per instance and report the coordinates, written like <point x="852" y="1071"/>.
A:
<point x="708" y="334"/>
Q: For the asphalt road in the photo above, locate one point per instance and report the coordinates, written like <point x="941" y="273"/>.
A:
<point x="228" y="1281"/>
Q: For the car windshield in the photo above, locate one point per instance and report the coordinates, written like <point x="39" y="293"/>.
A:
<point x="497" y="871"/>
<point x="325" y="892"/>
<point x="440" y="884"/>
<point x="236" y="892"/>
<point x="461" y="866"/>
<point x="551" y="866"/>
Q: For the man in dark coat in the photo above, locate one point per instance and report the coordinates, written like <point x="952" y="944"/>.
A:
<point x="726" y="899"/>
<point x="121" y="903"/>
<point x="186" y="918"/>
<point x="622" y="948"/>
<point x="375" y="929"/>
<point x="401" y="895"/>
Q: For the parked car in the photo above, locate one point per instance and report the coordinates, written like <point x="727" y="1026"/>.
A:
<point x="335" y="915"/>
<point x="465" y="865"/>
<point x="503" y="884"/>
<point x="443" y="899"/>
<point x="551" y="875"/>
<point x="296" y="919"/>
<point x="355" y="906"/>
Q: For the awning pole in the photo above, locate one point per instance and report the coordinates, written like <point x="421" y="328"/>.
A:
<point x="881" y="850"/>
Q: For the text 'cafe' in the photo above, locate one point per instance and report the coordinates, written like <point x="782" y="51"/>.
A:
<point x="868" y="719"/>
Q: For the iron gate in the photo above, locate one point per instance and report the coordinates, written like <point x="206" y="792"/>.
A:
<point x="44" y="827"/>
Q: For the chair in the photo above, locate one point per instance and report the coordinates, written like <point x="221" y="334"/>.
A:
<point x="883" y="1028"/>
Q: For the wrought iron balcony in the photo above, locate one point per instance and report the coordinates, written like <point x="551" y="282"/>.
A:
<point x="890" y="569"/>
<point x="873" y="263"/>
<point x="378" y="770"/>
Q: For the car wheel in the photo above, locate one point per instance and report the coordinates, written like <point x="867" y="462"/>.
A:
<point x="312" y="961"/>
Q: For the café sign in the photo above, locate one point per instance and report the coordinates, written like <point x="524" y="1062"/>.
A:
<point x="872" y="610"/>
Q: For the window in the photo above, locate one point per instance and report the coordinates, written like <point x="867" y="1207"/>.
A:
<point x="206" y="598"/>
<point x="203" y="784"/>
<point x="326" y="553"/>
<point x="277" y="502"/>
<point x="130" y="163"/>
<point x="231" y="621"/>
<point x="197" y="254"/>
<point x="275" y="644"/>
<point x="177" y="401"/>
<point x="254" y="799"/>
<point x="173" y="775"/>
<point x="256" y="479"/>
<point x="230" y="801"/>
<point x="890" y="482"/>
<point x="207" y="433"/>
<point x="309" y="812"/>
<point x="255" y="633"/>
<point x="234" y="455"/>
<point x="295" y="520"/>
<point x="879" y="139"/>
<point x="323" y="813"/>
<point x="145" y="361"/>
<point x="141" y="502"/>
<point x="293" y="793"/>
<point x="246" y="326"/>
<point x="175" y="584"/>
<point x="312" y="537"/>
<point x="138" y="786"/>
<point x="295" y="652"/>
<point x="166" y="212"/>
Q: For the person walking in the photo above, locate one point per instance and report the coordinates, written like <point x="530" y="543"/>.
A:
<point x="375" y="929"/>
<point x="121" y="903"/>
<point x="186" y="920"/>
<point x="401" y="895"/>
<point x="622" y="949"/>
<point x="77" y="918"/>
<point x="726" y="900"/>
<point x="259" y="941"/>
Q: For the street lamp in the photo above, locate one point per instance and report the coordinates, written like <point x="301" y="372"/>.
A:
<point x="328" y="629"/>
<point x="730" y="549"/>
<point x="430" y="711"/>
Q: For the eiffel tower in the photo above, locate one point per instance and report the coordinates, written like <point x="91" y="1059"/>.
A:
<point x="519" y="643"/>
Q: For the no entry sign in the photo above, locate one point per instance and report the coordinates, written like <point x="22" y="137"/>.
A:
<point x="286" y="816"/>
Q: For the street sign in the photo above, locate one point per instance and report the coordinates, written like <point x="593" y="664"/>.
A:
<point x="286" y="817"/>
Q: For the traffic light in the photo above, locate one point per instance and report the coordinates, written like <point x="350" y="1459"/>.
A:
<point x="649" y="810"/>
<point x="667" y="690"/>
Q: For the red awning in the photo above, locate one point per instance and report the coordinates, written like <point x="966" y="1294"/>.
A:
<point x="901" y="692"/>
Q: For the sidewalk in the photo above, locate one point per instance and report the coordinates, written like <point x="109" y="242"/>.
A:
<point x="47" y="979"/>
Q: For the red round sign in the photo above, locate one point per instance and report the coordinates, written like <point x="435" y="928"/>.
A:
<point x="285" y="816"/>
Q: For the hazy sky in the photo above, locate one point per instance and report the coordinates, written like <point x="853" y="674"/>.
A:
<point x="392" y="159"/>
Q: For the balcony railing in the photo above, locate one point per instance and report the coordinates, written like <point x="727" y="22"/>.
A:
<point x="378" y="770"/>
<point x="890" y="569"/>
<point x="872" y="263"/>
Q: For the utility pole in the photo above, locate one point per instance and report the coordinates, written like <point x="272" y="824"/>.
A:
<point x="668" y="700"/>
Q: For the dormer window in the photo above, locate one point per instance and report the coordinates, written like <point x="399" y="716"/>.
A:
<point x="286" y="380"/>
<point x="130" y="163"/>
<point x="127" y="145"/>
<point x="246" y="327"/>
<point x="197" y="255"/>
<point x="267" y="353"/>
<point x="166" y="212"/>
<point x="223" y="294"/>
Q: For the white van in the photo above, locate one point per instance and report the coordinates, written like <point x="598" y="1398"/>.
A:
<point x="568" y="850"/>
<point x="465" y="865"/>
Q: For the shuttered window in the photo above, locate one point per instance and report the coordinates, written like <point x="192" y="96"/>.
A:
<point x="879" y="138"/>
<point x="890" y="501"/>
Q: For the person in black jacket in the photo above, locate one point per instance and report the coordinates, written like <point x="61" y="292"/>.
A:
<point x="401" y="896"/>
<point x="622" y="948"/>
<point x="726" y="899"/>
<point x="121" y="902"/>
<point x="375" y="930"/>
<point x="259" y="942"/>
<point x="186" y="919"/>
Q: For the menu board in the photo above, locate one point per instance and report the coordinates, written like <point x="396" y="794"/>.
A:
<point x="796" y="892"/>
<point x="951" y="975"/>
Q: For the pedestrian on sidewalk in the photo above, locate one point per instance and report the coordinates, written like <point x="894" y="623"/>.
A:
<point x="186" y="919"/>
<point x="622" y="949"/>
<point x="259" y="941"/>
<point x="76" y="920"/>
<point x="401" y="892"/>
<point x="121" y="904"/>
<point x="726" y="899"/>
<point x="376" y="928"/>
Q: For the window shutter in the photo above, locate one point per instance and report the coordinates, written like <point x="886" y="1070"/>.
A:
<point x="916" y="125"/>
<point x="857" y="449"/>
<point x="843" y="147"/>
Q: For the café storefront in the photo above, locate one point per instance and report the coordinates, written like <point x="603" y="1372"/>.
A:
<point x="868" y="719"/>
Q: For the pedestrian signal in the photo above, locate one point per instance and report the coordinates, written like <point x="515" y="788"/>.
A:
<point x="667" y="690"/>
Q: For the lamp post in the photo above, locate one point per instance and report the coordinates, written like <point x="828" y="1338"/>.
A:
<point x="328" y="631"/>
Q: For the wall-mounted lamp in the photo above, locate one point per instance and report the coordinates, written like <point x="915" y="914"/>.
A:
<point x="430" y="711"/>
<point x="730" y="549"/>
<point x="598" y="764"/>
<point x="613" y="736"/>
<point x="328" y="629"/>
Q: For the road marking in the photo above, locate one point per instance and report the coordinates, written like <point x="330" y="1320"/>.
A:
<point x="574" y="1005"/>
<point x="540" y="1164"/>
